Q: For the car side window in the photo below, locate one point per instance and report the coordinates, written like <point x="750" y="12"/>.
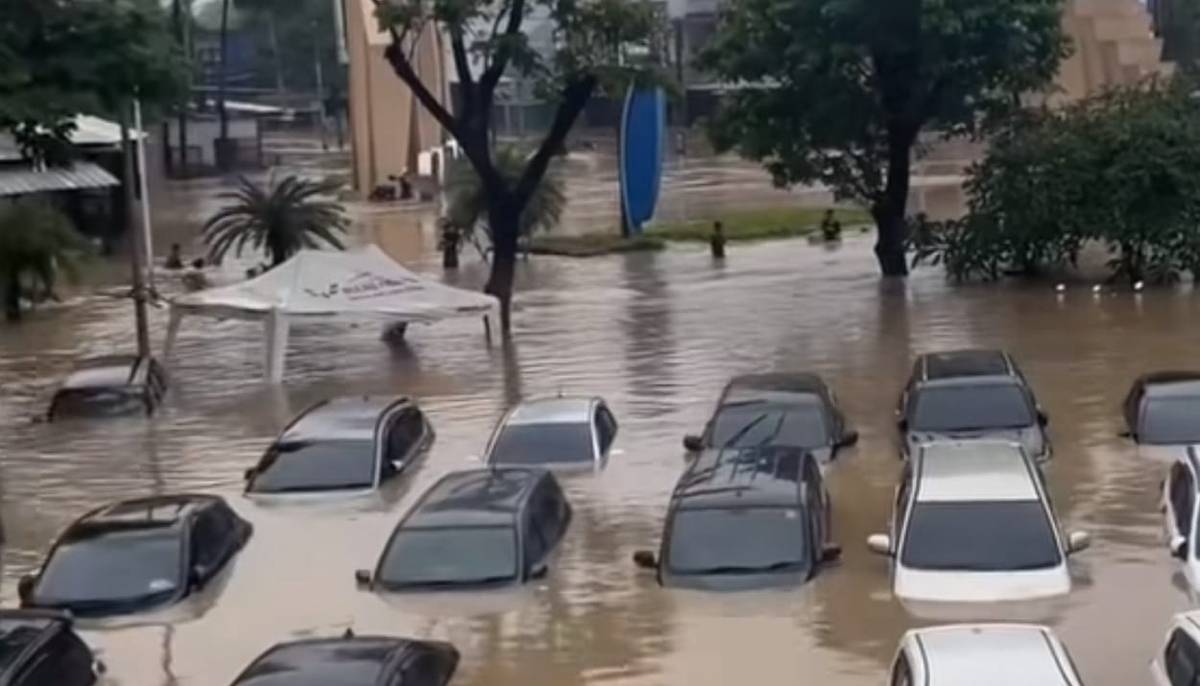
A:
<point x="1182" y="660"/>
<point x="212" y="537"/>
<point x="1183" y="498"/>
<point x="901" y="672"/>
<point x="816" y="500"/>
<point x="903" y="495"/>
<point x="424" y="670"/>
<point x="550" y="512"/>
<point x="405" y="434"/>
<point x="63" y="661"/>
<point x="536" y="543"/>
<point x="606" y="428"/>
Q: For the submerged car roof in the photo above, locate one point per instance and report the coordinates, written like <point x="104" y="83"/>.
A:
<point x="954" y="364"/>
<point x="349" y="418"/>
<point x="113" y="371"/>
<point x="478" y="497"/>
<point x="747" y="477"/>
<point x="1171" y="383"/>
<point x="991" y="655"/>
<point x="974" y="470"/>
<point x="553" y="411"/>
<point x="166" y="511"/>
<point x="322" y="662"/>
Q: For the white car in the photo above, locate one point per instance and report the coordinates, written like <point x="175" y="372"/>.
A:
<point x="983" y="655"/>
<point x="554" y="433"/>
<point x="973" y="523"/>
<point x="1179" y="504"/>
<point x="1178" y="663"/>
<point x="1162" y="414"/>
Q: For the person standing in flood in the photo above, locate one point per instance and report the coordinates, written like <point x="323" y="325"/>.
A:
<point x="717" y="241"/>
<point x="175" y="259"/>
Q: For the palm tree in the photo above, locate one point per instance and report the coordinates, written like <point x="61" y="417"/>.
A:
<point x="467" y="200"/>
<point x="37" y="243"/>
<point x="280" y="219"/>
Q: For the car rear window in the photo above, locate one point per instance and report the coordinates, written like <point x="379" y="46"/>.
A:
<point x="971" y="408"/>
<point x="97" y="402"/>
<point x="1171" y="420"/>
<point x="115" y="566"/>
<point x="733" y="540"/>
<point x="746" y="425"/>
<point x="980" y="536"/>
<point x="552" y="443"/>
<point x="450" y="556"/>
<point x="316" y="466"/>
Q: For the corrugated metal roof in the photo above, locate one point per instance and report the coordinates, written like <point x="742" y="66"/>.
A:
<point x="24" y="180"/>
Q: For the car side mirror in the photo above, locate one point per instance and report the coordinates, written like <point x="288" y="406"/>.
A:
<point x="831" y="552"/>
<point x="1042" y="418"/>
<point x="880" y="544"/>
<point x="1126" y="434"/>
<point x="25" y="588"/>
<point x="362" y="578"/>
<point x="645" y="559"/>
<point x="199" y="575"/>
<point x="902" y="425"/>
<point x="1078" y="541"/>
<point x="693" y="443"/>
<point x="848" y="439"/>
<point x="1178" y="545"/>
<point x="539" y="572"/>
<point x="250" y="473"/>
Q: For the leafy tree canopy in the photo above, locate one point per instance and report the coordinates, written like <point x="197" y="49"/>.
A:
<point x="837" y="91"/>
<point x="59" y="58"/>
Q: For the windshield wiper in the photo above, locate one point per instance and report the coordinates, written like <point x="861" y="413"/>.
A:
<point x="482" y="581"/>
<point x="315" y="488"/>
<point x="744" y="430"/>
<point x="747" y="569"/>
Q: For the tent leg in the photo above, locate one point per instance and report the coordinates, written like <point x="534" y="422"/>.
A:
<point x="277" y="340"/>
<point x="487" y="329"/>
<point x="172" y="334"/>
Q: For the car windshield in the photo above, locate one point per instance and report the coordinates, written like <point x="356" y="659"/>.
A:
<point x="113" y="566"/>
<point x="97" y="402"/>
<point x="316" y="466"/>
<point x="450" y="556"/>
<point x="733" y="540"/>
<point x="1171" y="421"/>
<point x="971" y="408"/>
<point x="552" y="443"/>
<point x="799" y="425"/>
<point x="982" y="536"/>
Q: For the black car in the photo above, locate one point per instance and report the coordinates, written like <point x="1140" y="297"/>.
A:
<point x="965" y="394"/>
<point x="137" y="555"/>
<point x="1163" y="408"/>
<point x="746" y="519"/>
<point x="353" y="661"/>
<point x="344" y="444"/>
<point x="478" y="528"/>
<point x="110" y="386"/>
<point x="782" y="409"/>
<point x="39" y="648"/>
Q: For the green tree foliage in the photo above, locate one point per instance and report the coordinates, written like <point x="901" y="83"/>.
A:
<point x="487" y="40"/>
<point x="1119" y="168"/>
<point x="467" y="199"/>
<point x="59" y="58"/>
<point x="279" y="220"/>
<point x="37" y="244"/>
<point x="838" y="91"/>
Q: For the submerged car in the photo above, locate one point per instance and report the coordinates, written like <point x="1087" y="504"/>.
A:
<point x="1181" y="507"/>
<point x="110" y="386"/>
<point x="556" y="432"/>
<point x="1162" y="411"/>
<point x="475" y="529"/>
<point x="744" y="519"/>
<point x="353" y="661"/>
<point x="973" y="523"/>
<point x="137" y="555"/>
<point x="344" y="445"/>
<point x="789" y="410"/>
<point x="967" y="394"/>
<point x="1178" y="661"/>
<point x="983" y="655"/>
<point x="40" y="648"/>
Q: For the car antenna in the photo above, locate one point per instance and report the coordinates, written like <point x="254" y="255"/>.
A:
<point x="348" y="634"/>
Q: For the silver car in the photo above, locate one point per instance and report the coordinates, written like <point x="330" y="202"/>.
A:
<point x="554" y="432"/>
<point x="983" y="655"/>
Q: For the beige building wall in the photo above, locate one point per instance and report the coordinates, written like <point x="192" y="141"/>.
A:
<point x="1114" y="45"/>
<point x="389" y="126"/>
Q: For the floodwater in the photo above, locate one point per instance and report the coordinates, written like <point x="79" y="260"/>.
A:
<point x="657" y="335"/>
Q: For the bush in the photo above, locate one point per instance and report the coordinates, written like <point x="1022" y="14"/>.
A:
<point x="1119" y="168"/>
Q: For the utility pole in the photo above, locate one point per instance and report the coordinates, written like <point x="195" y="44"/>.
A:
<point x="138" y="249"/>
<point x="320" y="76"/>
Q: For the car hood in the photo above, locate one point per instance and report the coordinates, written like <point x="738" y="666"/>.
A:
<point x="735" y="582"/>
<point x="1030" y="438"/>
<point x="967" y="586"/>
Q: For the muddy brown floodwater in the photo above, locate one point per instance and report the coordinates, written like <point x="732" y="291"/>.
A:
<point x="657" y="335"/>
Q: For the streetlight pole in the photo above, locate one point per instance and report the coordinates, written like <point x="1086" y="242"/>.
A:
<point x="138" y="250"/>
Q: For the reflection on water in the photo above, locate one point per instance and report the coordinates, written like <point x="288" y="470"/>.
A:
<point x="657" y="335"/>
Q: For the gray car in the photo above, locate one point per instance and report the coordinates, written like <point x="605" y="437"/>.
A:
<point x="967" y="394"/>
<point x="554" y="433"/>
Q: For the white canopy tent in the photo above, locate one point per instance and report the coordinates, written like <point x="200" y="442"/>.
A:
<point x="324" y="284"/>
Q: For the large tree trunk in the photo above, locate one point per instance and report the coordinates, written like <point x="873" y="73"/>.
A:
<point x="891" y="210"/>
<point x="12" y="298"/>
<point x="504" y="220"/>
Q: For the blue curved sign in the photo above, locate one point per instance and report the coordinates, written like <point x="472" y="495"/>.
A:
<point x="643" y="140"/>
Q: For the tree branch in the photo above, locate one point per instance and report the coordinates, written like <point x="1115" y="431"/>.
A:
<point x="574" y="98"/>
<point x="463" y="66"/>
<point x="491" y="77"/>
<point x="404" y="69"/>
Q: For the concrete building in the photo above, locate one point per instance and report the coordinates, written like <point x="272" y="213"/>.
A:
<point x="389" y="127"/>
<point x="1114" y="45"/>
